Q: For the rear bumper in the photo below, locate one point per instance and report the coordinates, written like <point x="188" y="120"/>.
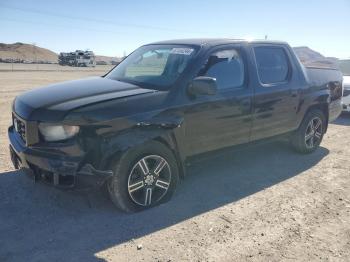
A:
<point x="58" y="169"/>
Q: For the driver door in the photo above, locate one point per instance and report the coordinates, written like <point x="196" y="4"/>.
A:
<point x="224" y="119"/>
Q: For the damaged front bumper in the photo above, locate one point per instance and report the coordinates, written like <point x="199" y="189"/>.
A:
<point x="54" y="167"/>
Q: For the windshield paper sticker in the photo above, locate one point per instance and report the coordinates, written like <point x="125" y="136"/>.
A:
<point x="181" y="51"/>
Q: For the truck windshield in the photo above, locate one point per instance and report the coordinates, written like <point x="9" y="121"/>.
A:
<point x="154" y="66"/>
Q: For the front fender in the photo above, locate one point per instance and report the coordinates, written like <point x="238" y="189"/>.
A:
<point x="167" y="133"/>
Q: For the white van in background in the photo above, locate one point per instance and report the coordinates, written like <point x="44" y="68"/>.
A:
<point x="346" y="93"/>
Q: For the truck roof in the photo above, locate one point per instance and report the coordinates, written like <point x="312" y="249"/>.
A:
<point x="215" y="41"/>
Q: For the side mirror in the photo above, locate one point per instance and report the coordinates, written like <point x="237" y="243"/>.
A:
<point x="203" y="85"/>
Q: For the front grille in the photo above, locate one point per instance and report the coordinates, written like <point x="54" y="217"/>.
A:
<point x="20" y="128"/>
<point x="346" y="92"/>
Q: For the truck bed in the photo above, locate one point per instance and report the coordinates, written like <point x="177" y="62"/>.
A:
<point x="327" y="79"/>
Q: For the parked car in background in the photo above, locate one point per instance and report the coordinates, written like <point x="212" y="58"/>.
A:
<point x="136" y="127"/>
<point x="344" y="66"/>
<point x="346" y="94"/>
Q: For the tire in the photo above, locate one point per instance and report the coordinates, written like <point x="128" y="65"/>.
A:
<point x="308" y="137"/>
<point x="144" y="177"/>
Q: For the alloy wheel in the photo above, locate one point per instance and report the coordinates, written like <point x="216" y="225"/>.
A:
<point x="149" y="180"/>
<point x="313" y="132"/>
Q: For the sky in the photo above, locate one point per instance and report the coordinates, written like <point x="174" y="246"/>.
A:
<point x="115" y="28"/>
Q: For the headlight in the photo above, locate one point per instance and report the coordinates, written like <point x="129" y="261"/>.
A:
<point x="52" y="132"/>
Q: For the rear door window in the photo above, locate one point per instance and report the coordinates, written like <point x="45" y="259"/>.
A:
<point x="272" y="64"/>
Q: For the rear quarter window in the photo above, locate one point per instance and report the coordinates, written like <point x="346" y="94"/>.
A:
<point x="272" y="64"/>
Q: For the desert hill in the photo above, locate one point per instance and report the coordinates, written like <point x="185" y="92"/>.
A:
<point x="310" y="57"/>
<point x="100" y="59"/>
<point x="26" y="53"/>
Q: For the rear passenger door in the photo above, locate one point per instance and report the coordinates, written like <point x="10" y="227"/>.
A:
<point x="276" y="95"/>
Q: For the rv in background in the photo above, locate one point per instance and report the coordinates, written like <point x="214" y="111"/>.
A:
<point x="78" y="58"/>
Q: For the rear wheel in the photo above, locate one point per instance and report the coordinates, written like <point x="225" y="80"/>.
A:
<point x="144" y="177"/>
<point x="308" y="136"/>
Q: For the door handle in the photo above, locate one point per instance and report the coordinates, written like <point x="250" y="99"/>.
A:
<point x="245" y="104"/>
<point x="294" y="93"/>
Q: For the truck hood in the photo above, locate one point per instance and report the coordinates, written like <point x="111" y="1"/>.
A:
<point x="53" y="102"/>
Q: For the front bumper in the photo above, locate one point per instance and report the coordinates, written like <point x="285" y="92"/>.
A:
<point x="53" y="166"/>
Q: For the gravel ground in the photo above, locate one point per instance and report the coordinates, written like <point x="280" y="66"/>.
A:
<point x="264" y="203"/>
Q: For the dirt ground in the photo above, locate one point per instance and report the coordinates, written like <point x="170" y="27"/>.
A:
<point x="265" y="203"/>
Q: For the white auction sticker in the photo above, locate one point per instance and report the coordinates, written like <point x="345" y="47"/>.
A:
<point x="182" y="51"/>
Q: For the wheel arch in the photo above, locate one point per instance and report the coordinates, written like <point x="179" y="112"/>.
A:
<point x="323" y="107"/>
<point x="114" y="147"/>
<point x="171" y="143"/>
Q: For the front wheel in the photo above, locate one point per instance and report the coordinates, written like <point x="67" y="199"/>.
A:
<point x="144" y="177"/>
<point x="308" y="137"/>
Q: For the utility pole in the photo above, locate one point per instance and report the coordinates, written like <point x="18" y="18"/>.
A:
<point x="34" y="53"/>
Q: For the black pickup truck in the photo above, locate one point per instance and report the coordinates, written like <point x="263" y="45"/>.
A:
<point x="135" y="127"/>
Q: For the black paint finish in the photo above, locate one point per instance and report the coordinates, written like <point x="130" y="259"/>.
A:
<point x="114" y="116"/>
